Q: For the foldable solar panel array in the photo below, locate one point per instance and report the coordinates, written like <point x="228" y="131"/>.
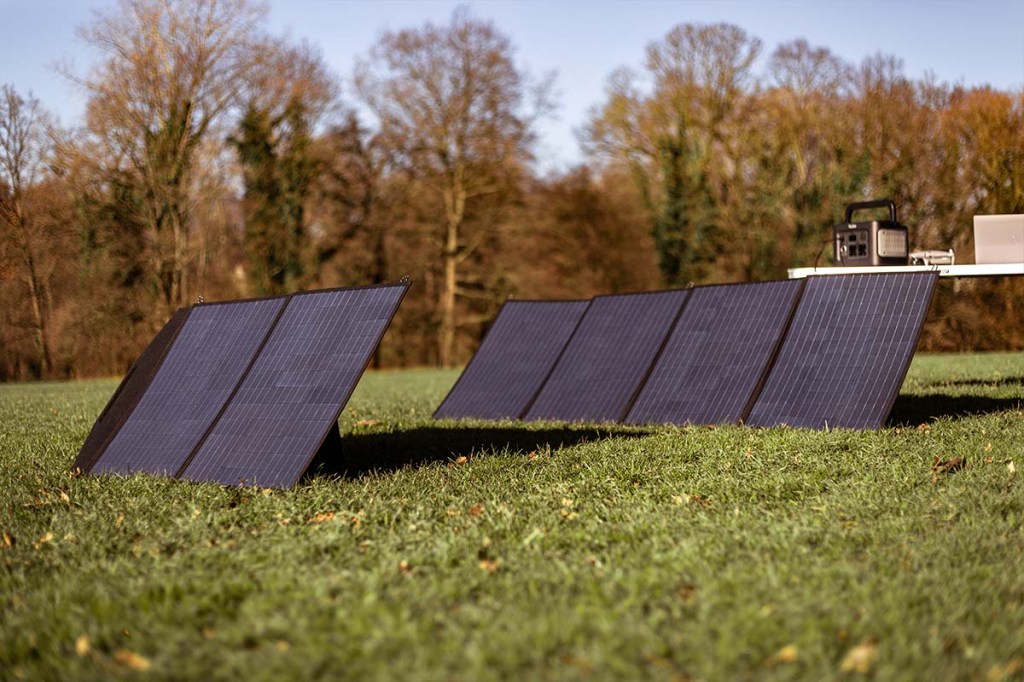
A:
<point x="242" y="391"/>
<point x="823" y="352"/>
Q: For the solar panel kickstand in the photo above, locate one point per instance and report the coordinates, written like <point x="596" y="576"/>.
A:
<point x="329" y="454"/>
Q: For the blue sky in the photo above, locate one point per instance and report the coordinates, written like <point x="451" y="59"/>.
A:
<point x="973" y="42"/>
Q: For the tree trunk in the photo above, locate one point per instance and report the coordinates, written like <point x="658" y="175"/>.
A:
<point x="38" y="315"/>
<point x="446" y="332"/>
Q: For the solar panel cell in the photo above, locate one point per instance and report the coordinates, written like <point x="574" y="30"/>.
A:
<point x="208" y="357"/>
<point x="297" y="386"/>
<point x="513" y="360"/>
<point x="846" y="354"/>
<point x="608" y="358"/>
<point x="128" y="393"/>
<point x="717" y="354"/>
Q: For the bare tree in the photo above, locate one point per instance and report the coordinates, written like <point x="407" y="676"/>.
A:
<point x="170" y="71"/>
<point x="451" y="101"/>
<point x="24" y="146"/>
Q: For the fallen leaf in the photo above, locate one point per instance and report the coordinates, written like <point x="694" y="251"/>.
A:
<point x="367" y="422"/>
<point x="82" y="645"/>
<point x="453" y="512"/>
<point x="786" y="654"/>
<point x="282" y="646"/>
<point x="130" y="659"/>
<point x="208" y="632"/>
<point x="404" y="568"/>
<point x="949" y="466"/>
<point x="320" y="518"/>
<point x="488" y="565"/>
<point x="64" y="497"/>
<point x="1011" y="468"/>
<point x="860" y="658"/>
<point x="461" y="459"/>
<point x="988" y="447"/>
<point x="43" y="540"/>
<point x="9" y="540"/>
<point x="476" y="510"/>
<point x="988" y="460"/>
<point x="533" y="455"/>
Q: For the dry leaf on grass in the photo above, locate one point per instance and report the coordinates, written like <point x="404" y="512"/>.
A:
<point x="861" y="658"/>
<point x="404" y="568"/>
<point x="476" y="510"/>
<point x="367" y="422"/>
<point x="786" y="654"/>
<point x="82" y="645"/>
<point x="130" y="659"/>
<point x="9" y="539"/>
<point x="461" y="459"/>
<point x="320" y="518"/>
<point x="47" y="537"/>
<point x="488" y="565"/>
<point x="949" y="466"/>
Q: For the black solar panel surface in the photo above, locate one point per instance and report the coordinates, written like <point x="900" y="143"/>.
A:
<point x="129" y="392"/>
<point x="296" y="388"/>
<point x="510" y="366"/>
<point x="846" y="354"/>
<point x="608" y="357"/>
<point x="208" y="358"/>
<point x="717" y="355"/>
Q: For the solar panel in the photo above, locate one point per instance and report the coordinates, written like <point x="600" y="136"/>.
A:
<point x="295" y="391"/>
<point x="717" y="354"/>
<point x="128" y="393"/>
<point x="847" y="351"/>
<point x="514" y="359"/>
<point x="608" y="357"/>
<point x="212" y="351"/>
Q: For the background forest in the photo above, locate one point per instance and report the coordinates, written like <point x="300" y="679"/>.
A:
<point x="217" y="160"/>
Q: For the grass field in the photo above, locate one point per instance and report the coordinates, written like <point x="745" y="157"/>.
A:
<point x="481" y="551"/>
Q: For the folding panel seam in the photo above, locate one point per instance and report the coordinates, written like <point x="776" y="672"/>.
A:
<point x="529" y="403"/>
<point x="654" y="361"/>
<point x="774" y="356"/>
<point x="241" y="380"/>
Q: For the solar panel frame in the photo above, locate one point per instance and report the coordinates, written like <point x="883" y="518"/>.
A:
<point x="186" y="377"/>
<point x="717" y="355"/>
<point x="609" y="357"/>
<point x="804" y="388"/>
<point x="465" y="394"/>
<point x="128" y="393"/>
<point x="208" y="460"/>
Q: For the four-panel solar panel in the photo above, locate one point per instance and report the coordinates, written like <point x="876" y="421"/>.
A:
<point x="608" y="357"/>
<point x="847" y="351"/>
<point x="827" y="351"/>
<point x="513" y="361"/>
<point x="242" y="391"/>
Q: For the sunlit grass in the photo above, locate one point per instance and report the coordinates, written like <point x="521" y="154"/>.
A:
<point x="443" y="550"/>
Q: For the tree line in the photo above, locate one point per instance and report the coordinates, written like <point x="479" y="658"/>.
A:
<point x="218" y="160"/>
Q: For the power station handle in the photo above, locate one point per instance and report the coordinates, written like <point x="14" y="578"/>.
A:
<point x="874" y="203"/>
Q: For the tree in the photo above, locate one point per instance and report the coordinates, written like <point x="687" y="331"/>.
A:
<point x="451" y="102"/>
<point x="170" y="72"/>
<point x="679" y="126"/>
<point x="24" y="148"/>
<point x="291" y="93"/>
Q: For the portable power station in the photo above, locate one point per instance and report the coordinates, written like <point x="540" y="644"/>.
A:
<point x="874" y="242"/>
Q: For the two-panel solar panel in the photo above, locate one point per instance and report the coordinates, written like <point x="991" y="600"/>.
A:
<point x="242" y="392"/>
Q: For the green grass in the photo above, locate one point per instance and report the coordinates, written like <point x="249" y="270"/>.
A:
<point x="550" y="552"/>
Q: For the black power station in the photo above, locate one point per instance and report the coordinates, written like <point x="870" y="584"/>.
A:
<point x="874" y="242"/>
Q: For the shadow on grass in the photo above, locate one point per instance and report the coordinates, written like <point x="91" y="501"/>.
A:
<point x="359" y="454"/>
<point x="992" y="383"/>
<point x="911" y="410"/>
